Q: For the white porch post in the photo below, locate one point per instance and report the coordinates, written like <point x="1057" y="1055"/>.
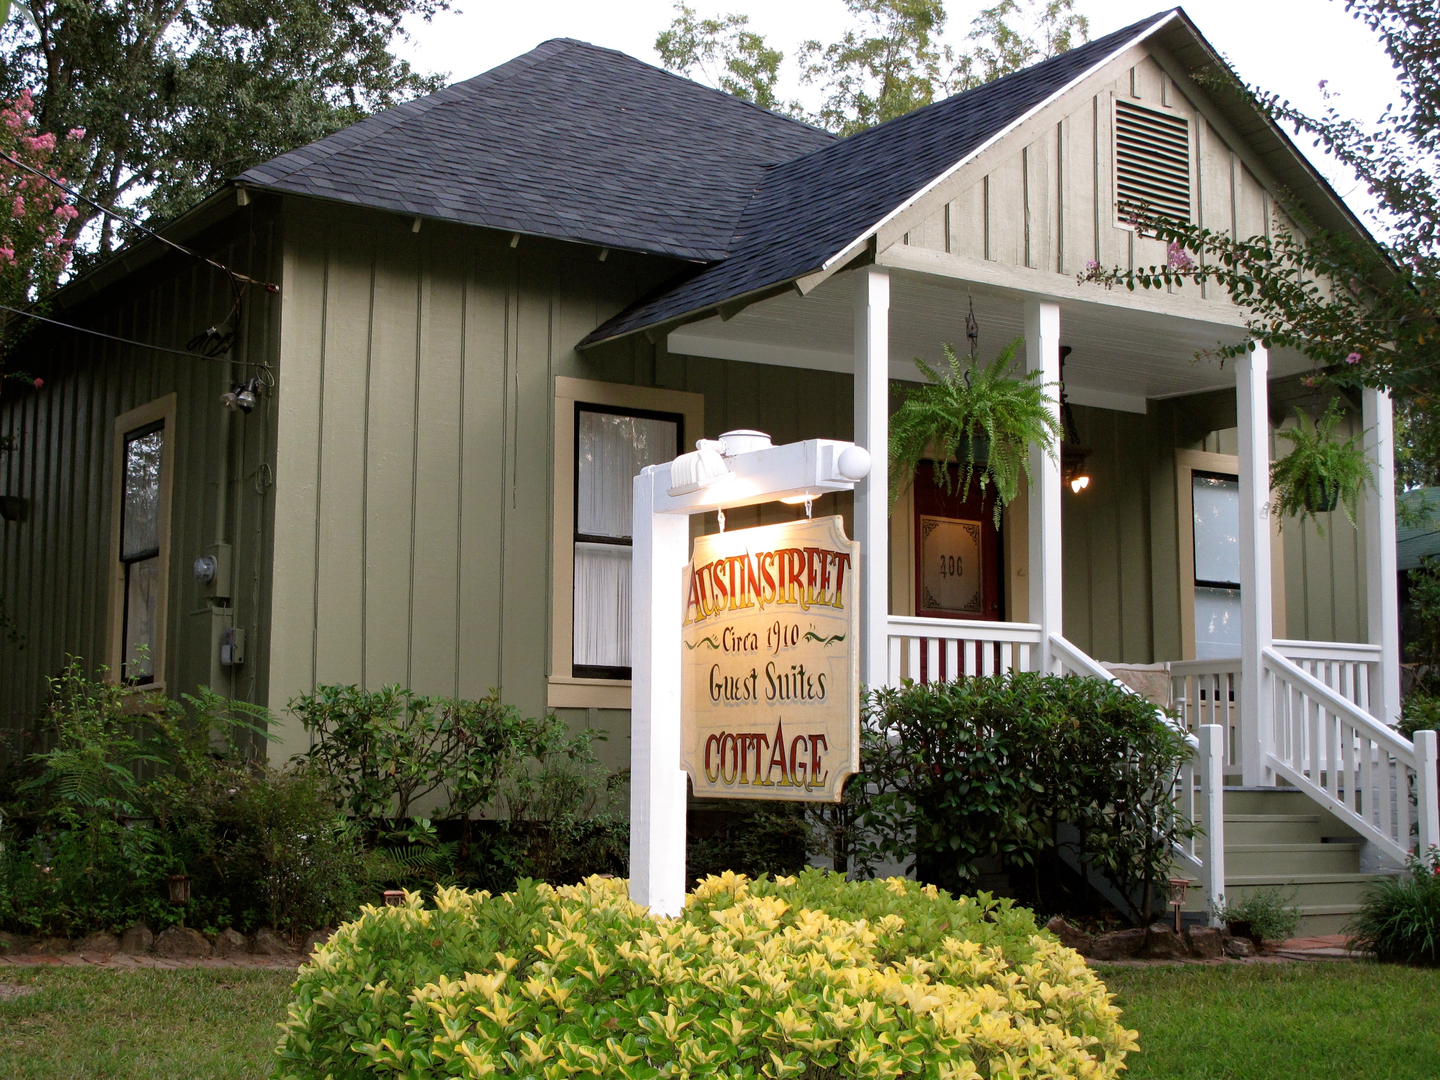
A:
<point x="1252" y="394"/>
<point x="1042" y="354"/>
<point x="872" y="497"/>
<point x="657" y="782"/>
<point x="1381" y="575"/>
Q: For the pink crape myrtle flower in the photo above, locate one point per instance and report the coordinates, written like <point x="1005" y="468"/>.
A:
<point x="1353" y="358"/>
<point x="17" y="210"/>
<point x="39" y="383"/>
<point x="75" y="134"/>
<point x="1177" y="258"/>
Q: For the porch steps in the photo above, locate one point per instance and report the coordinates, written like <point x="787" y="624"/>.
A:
<point x="1279" y="838"/>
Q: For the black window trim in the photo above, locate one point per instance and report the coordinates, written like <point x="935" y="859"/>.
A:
<point x="598" y="671"/>
<point x="128" y="562"/>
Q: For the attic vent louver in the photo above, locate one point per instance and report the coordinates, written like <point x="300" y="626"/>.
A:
<point x="1152" y="163"/>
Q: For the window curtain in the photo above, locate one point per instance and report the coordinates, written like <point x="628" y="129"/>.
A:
<point x="610" y="451"/>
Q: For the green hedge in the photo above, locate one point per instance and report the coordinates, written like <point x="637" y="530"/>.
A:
<point x="809" y="977"/>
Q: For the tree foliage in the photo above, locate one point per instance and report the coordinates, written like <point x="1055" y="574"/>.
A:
<point x="1364" y="313"/>
<point x="891" y="60"/>
<point x="724" y="53"/>
<point x="174" y="96"/>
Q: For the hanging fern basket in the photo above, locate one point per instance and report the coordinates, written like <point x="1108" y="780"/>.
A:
<point x="1323" y="497"/>
<point x="979" y="449"/>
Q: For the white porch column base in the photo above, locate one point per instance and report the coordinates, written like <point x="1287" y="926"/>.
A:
<point x="658" y="786"/>
<point x="1252" y="395"/>
<point x="1042" y="354"/>
<point x="872" y="495"/>
<point x="1381" y="581"/>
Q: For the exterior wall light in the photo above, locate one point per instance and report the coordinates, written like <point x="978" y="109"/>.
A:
<point x="242" y="398"/>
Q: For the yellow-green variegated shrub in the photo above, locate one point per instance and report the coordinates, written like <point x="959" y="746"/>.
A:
<point x="809" y="977"/>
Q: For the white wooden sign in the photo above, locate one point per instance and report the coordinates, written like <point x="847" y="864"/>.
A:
<point x="770" y="677"/>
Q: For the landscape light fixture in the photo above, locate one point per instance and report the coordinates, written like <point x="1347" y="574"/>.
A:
<point x="242" y="398"/>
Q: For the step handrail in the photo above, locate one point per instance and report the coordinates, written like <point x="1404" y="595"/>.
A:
<point x="1352" y="802"/>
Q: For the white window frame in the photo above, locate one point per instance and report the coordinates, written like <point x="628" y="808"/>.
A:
<point x="564" y="690"/>
<point x="162" y="411"/>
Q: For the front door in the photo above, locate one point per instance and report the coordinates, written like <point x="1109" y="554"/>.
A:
<point x="957" y="549"/>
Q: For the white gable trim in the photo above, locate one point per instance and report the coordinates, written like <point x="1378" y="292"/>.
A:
<point x="855" y="246"/>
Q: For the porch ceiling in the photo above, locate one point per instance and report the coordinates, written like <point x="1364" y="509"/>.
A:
<point x="1121" y="356"/>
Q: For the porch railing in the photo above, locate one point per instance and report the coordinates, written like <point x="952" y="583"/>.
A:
<point x="1374" y="779"/>
<point x="939" y="650"/>
<point x="1348" y="669"/>
<point x="1208" y="692"/>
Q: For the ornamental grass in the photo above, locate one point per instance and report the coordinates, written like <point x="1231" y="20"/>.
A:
<point x="808" y="977"/>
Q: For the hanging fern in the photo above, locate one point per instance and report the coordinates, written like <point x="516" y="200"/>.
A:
<point x="963" y="404"/>
<point x="1319" y="467"/>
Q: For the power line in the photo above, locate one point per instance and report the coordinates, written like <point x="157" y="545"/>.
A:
<point x="235" y="275"/>
<point x="128" y="341"/>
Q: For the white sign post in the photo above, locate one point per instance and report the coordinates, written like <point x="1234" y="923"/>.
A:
<point x="664" y="498"/>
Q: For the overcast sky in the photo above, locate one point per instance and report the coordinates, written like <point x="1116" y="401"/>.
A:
<point x="1284" y="45"/>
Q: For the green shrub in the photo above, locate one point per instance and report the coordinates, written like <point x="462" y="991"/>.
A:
<point x="1400" y="919"/>
<point x="1024" y="768"/>
<point x="745" y="836"/>
<point x="1271" y="913"/>
<point x="269" y="848"/>
<point x="1419" y="712"/>
<point x="809" y="978"/>
<point x="388" y="749"/>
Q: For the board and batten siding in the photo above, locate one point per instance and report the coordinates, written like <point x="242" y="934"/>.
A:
<point x="1043" y="198"/>
<point x="56" y="566"/>
<point x="414" y="497"/>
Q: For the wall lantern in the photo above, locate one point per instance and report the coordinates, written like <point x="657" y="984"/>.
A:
<point x="1072" y="455"/>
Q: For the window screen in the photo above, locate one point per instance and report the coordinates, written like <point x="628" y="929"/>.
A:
<point x="140" y="550"/>
<point x="1216" y="501"/>
<point x="611" y="447"/>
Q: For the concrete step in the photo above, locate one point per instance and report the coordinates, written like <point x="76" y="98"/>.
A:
<point x="1268" y="800"/>
<point x="1312" y="858"/>
<point x="1272" y="829"/>
<point x="1309" y="889"/>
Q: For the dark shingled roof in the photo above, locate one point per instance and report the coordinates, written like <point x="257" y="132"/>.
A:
<point x="569" y="141"/>
<point x="586" y="144"/>
<point x="810" y="209"/>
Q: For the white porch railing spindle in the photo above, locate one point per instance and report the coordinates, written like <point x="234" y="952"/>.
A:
<point x="955" y="648"/>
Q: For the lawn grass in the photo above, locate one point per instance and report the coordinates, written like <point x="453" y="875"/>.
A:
<point x="1312" y="1021"/>
<point x="190" y="1024"/>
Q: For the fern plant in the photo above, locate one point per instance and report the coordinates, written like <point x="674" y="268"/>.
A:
<point x="965" y="405"/>
<point x="1320" y="471"/>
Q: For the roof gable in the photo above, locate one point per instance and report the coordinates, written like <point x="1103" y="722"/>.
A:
<point x="810" y="210"/>
<point x="569" y="141"/>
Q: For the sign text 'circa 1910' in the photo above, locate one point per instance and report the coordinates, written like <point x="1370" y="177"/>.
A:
<point x="771" y="677"/>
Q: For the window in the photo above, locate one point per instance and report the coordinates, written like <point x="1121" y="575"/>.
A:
<point x="144" y="441"/>
<point x="1152" y="163"/>
<point x="612" y="445"/>
<point x="604" y="433"/>
<point x="1216" y="503"/>
<point x="140" y="551"/>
